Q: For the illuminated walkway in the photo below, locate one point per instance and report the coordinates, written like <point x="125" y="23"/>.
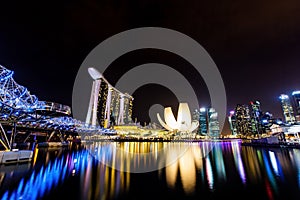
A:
<point x="23" y="111"/>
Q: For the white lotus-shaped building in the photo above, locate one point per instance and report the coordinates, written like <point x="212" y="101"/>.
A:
<point x="184" y="121"/>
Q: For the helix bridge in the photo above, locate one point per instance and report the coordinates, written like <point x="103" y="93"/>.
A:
<point x="21" y="111"/>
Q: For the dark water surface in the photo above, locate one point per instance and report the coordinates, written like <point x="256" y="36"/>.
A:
<point x="198" y="170"/>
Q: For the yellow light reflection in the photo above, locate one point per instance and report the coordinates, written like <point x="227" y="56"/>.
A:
<point x="109" y="181"/>
<point x="251" y="163"/>
<point x="35" y="154"/>
<point x="188" y="164"/>
<point x="188" y="171"/>
<point x="171" y="174"/>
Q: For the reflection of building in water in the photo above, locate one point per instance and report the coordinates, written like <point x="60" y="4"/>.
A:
<point x="97" y="180"/>
<point x="253" y="166"/>
<point x="251" y="160"/>
<point x="238" y="161"/>
<point x="200" y="167"/>
<point x="269" y="165"/>
<point x="107" y="104"/>
<point x="46" y="177"/>
<point x="296" y="160"/>
<point x="112" y="179"/>
<point x="109" y="183"/>
<point x="121" y="156"/>
<point x="196" y="158"/>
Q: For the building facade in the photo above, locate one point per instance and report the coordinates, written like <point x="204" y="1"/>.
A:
<point x="243" y="119"/>
<point x="208" y="122"/>
<point x="296" y="101"/>
<point x="213" y="123"/>
<point x="203" y="121"/>
<point x="287" y="109"/>
<point x="108" y="106"/>
<point x="256" y="114"/>
<point x="232" y="122"/>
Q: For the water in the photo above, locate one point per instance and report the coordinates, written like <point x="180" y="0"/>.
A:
<point x="198" y="170"/>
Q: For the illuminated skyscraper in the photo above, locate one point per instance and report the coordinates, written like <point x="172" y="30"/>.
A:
<point x="213" y="123"/>
<point x="203" y="123"/>
<point x="195" y="115"/>
<point x="208" y="122"/>
<point x="243" y="120"/>
<point x="296" y="98"/>
<point x="256" y="114"/>
<point x="287" y="109"/>
<point x="102" y="101"/>
<point x="232" y="122"/>
<point x="128" y="103"/>
<point x="107" y="105"/>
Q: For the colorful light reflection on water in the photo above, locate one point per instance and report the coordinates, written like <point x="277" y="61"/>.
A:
<point x="47" y="177"/>
<point x="226" y="169"/>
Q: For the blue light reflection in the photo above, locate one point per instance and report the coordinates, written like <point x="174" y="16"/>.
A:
<point x="43" y="180"/>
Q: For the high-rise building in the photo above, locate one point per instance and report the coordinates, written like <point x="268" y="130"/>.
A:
<point x="102" y="101"/>
<point x="232" y="122"/>
<point x="128" y="104"/>
<point x="213" y="123"/>
<point x="114" y="107"/>
<point x="296" y="98"/>
<point x="267" y="120"/>
<point x="243" y="120"/>
<point x="195" y="115"/>
<point x="256" y="114"/>
<point x="287" y="109"/>
<point x="107" y="105"/>
<point x="203" y="121"/>
<point x="208" y="122"/>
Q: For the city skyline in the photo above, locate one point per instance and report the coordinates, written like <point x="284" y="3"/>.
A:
<point x="255" y="46"/>
<point x="81" y="80"/>
<point x="249" y="118"/>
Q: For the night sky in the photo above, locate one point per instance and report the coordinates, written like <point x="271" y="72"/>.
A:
<point x="255" y="44"/>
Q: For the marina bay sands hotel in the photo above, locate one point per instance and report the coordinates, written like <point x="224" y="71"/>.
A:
<point x="108" y="106"/>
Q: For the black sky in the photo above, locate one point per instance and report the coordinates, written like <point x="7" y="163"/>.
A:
<point x="255" y="44"/>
